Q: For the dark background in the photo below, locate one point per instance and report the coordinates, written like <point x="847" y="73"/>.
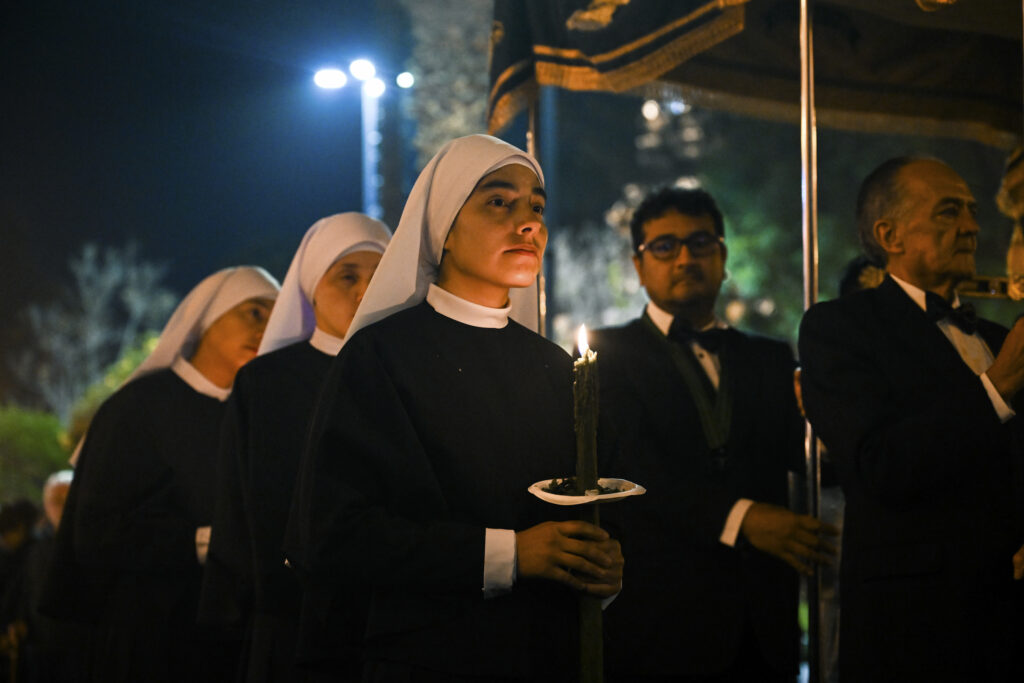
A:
<point x="191" y="128"/>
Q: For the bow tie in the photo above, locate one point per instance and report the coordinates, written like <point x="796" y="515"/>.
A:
<point x="963" y="316"/>
<point x="710" y="340"/>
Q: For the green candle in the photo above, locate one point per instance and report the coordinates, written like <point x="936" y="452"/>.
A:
<point x="584" y="391"/>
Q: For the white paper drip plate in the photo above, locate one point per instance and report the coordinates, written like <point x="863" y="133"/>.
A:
<point x="623" y="489"/>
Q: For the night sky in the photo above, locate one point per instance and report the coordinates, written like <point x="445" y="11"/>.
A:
<point x="192" y="128"/>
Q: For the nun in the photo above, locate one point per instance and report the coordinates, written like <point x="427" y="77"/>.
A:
<point x="246" y="580"/>
<point x="136" y="524"/>
<point x="436" y="416"/>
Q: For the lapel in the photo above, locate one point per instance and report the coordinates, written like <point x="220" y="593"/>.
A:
<point x="909" y="327"/>
<point x="714" y="408"/>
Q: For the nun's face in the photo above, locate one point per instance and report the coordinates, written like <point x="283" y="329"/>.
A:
<point x="498" y="238"/>
<point x="338" y="293"/>
<point x="232" y="341"/>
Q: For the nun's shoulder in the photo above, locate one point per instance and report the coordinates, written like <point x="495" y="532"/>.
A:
<point x="552" y="353"/>
<point x="141" y="398"/>
<point x="283" y="360"/>
<point x="396" y="325"/>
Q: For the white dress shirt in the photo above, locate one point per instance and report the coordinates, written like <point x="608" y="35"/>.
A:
<point x="971" y="347"/>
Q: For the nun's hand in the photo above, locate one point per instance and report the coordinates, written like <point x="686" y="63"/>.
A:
<point x="576" y="553"/>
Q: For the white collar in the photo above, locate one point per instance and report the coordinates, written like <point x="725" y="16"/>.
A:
<point x="466" y="312"/>
<point x="197" y="380"/>
<point x="662" y="319"/>
<point x="918" y="295"/>
<point x="325" y="343"/>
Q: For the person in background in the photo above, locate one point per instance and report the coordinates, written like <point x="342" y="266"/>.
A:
<point x="129" y="551"/>
<point x="264" y="430"/>
<point x="704" y="416"/>
<point x="914" y="397"/>
<point x="50" y="651"/>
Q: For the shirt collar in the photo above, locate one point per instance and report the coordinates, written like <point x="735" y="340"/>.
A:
<point x="662" y="319"/>
<point x="918" y="295"/>
<point x="325" y="343"/>
<point x="195" y="379"/>
<point x="466" y="312"/>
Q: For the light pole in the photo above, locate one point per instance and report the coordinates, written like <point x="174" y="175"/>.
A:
<point x="371" y="89"/>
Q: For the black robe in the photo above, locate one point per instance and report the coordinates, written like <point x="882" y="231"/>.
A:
<point x="125" y="559"/>
<point x="50" y="651"/>
<point x="245" y="579"/>
<point x="428" y="431"/>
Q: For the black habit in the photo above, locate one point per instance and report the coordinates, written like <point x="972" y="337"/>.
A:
<point x="691" y="605"/>
<point x="448" y="427"/>
<point x="246" y="582"/>
<point x="927" y="590"/>
<point x="125" y="559"/>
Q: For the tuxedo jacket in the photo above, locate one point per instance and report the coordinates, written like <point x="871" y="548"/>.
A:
<point x="931" y="476"/>
<point x="687" y="598"/>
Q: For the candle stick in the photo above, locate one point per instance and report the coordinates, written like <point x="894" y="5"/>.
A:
<point x="585" y="413"/>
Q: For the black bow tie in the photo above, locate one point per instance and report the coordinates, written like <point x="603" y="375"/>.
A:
<point x="710" y="340"/>
<point x="963" y="316"/>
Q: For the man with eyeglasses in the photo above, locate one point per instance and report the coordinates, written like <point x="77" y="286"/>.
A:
<point x="706" y="419"/>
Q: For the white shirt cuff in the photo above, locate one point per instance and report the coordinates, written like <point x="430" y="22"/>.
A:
<point x="734" y="521"/>
<point x="202" y="543"/>
<point x="1004" y="411"/>
<point x="499" y="561"/>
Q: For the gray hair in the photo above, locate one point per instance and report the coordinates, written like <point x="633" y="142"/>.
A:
<point x="881" y="196"/>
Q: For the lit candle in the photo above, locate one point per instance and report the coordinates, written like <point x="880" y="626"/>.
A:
<point x="584" y="391"/>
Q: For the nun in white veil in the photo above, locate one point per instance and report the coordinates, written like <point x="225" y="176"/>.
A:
<point x="129" y="549"/>
<point x="414" y="486"/>
<point x="246" y="582"/>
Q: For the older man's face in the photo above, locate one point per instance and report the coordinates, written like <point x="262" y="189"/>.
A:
<point x="938" y="229"/>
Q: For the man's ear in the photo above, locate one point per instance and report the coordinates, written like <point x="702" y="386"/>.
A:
<point x="725" y="253"/>
<point x="888" y="236"/>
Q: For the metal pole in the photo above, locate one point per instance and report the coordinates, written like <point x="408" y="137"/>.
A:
<point x="371" y="152"/>
<point x="533" y="149"/>
<point x="809" y="196"/>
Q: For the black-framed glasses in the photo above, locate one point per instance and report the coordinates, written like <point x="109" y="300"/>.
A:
<point x="668" y="247"/>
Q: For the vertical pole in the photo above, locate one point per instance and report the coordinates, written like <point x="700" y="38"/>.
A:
<point x="533" y="149"/>
<point x="809" y="192"/>
<point x="371" y="152"/>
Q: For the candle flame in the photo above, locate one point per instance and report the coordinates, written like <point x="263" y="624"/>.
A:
<point x="581" y="340"/>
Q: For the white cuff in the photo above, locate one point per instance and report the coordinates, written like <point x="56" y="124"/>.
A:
<point x="202" y="543"/>
<point x="734" y="521"/>
<point x="1004" y="411"/>
<point x="499" y="561"/>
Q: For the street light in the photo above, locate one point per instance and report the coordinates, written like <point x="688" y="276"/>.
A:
<point x="330" y="78"/>
<point x="370" y="90"/>
<point x="362" y="69"/>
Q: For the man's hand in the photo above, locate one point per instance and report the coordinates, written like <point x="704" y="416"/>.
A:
<point x="578" y="554"/>
<point x="792" y="538"/>
<point x="1018" y="564"/>
<point x="1007" y="370"/>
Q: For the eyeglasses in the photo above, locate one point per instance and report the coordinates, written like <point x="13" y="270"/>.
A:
<point x="667" y="247"/>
